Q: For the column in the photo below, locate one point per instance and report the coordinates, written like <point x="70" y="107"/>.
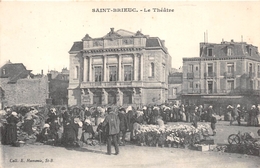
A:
<point x="119" y="67"/>
<point x="141" y="66"/>
<point x="104" y="68"/>
<point x="85" y="71"/>
<point x="135" y="68"/>
<point x="90" y="69"/>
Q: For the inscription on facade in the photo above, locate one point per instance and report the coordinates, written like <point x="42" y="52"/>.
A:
<point x="112" y="42"/>
<point x="97" y="43"/>
<point x="128" y="41"/>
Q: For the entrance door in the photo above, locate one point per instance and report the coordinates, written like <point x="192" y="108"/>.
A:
<point x="111" y="98"/>
<point x="97" y="98"/>
<point x="127" y="98"/>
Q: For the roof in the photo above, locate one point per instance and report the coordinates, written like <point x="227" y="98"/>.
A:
<point x="77" y="46"/>
<point x="14" y="71"/>
<point x="21" y="75"/>
<point x="236" y="49"/>
<point x="153" y="42"/>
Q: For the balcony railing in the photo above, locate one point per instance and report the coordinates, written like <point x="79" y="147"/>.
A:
<point x="209" y="74"/>
<point x="230" y="74"/>
<point x="190" y="75"/>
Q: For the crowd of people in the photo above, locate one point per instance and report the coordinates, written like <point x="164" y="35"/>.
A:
<point x="74" y="126"/>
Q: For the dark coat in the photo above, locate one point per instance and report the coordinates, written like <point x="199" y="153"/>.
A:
<point x="10" y="134"/>
<point x="123" y="122"/>
<point x="113" y="123"/>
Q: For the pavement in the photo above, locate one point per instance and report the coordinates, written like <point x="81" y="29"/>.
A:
<point x="45" y="156"/>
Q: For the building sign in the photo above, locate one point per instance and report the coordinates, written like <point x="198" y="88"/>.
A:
<point x="86" y="99"/>
<point x="112" y="42"/>
<point x="128" y="41"/>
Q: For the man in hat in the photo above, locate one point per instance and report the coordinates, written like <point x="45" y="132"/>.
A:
<point x="112" y="121"/>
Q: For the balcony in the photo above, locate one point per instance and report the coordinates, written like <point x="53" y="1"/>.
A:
<point x="209" y="75"/>
<point x="111" y="84"/>
<point x="229" y="74"/>
<point x="190" y="75"/>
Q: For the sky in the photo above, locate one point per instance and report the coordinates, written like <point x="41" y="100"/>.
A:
<point x="40" y="34"/>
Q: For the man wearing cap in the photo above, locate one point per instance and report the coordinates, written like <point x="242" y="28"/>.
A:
<point x="112" y="121"/>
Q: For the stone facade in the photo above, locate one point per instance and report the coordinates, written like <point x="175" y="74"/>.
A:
<point x="120" y="68"/>
<point x="227" y="73"/>
<point x="25" y="91"/>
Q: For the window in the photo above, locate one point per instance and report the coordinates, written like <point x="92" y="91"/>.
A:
<point x="151" y="71"/>
<point x="112" y="73"/>
<point x="229" y="52"/>
<point x="197" y="86"/>
<point x="210" y="87"/>
<point x="250" y="67"/>
<point x="191" y="84"/>
<point x="210" y="68"/>
<point x="76" y="72"/>
<point x="98" y="74"/>
<point x="111" y="98"/>
<point x="250" y="51"/>
<point x="190" y="68"/>
<point x="4" y="72"/>
<point x="197" y="68"/>
<point x="210" y="53"/>
<point x="230" y="85"/>
<point x="230" y="67"/>
<point x="128" y="73"/>
<point x="174" y="91"/>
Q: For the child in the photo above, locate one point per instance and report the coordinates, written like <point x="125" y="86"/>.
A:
<point x="213" y="124"/>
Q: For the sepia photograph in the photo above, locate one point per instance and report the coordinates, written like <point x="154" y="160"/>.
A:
<point x="136" y="84"/>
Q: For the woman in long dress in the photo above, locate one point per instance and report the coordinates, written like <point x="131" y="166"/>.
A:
<point x="10" y="136"/>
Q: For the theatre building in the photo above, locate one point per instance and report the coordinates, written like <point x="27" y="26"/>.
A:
<point x="119" y="68"/>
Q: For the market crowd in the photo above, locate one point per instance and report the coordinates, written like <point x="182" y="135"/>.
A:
<point x="74" y="126"/>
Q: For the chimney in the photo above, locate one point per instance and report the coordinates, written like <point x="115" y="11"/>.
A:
<point x="232" y="40"/>
<point x="49" y="76"/>
<point x="112" y="30"/>
<point x="42" y="72"/>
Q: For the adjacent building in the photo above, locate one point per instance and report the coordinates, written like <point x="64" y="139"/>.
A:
<point x="119" y="68"/>
<point x="20" y="87"/>
<point x="224" y="73"/>
<point x="175" y="87"/>
<point x="58" y="87"/>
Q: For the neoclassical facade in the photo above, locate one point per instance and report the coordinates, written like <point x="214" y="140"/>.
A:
<point x="119" y="68"/>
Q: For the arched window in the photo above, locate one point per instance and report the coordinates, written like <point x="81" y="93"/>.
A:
<point x="151" y="71"/>
<point x="76" y="72"/>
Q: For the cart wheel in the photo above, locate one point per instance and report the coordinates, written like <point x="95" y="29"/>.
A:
<point x="233" y="139"/>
